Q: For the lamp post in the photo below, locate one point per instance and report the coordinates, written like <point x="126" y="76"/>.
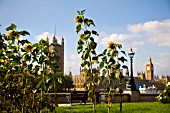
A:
<point x="132" y="82"/>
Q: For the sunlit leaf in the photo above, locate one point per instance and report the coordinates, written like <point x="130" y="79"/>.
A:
<point x="82" y="12"/>
<point x="59" y="80"/>
<point x="79" y="13"/>
<point x="87" y="34"/>
<point x="125" y="67"/>
<point x="93" y="52"/>
<point x="122" y="59"/>
<point x="11" y="27"/>
<point x="104" y="72"/>
<point x="24" y="33"/>
<point x="80" y="42"/>
<point x="123" y="52"/>
<point x="93" y="45"/>
<point x="101" y="65"/>
<point x="78" y="28"/>
<point x="95" y="33"/>
<point x="79" y="49"/>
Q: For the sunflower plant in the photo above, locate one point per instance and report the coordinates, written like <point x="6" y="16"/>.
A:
<point x="25" y="72"/>
<point x="87" y="48"/>
<point x="109" y="62"/>
<point x="112" y="63"/>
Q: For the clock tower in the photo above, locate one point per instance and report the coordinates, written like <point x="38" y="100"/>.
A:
<point x="149" y="69"/>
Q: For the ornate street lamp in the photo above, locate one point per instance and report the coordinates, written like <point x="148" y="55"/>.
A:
<point x="132" y="82"/>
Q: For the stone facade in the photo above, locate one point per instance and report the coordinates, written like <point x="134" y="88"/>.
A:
<point x="142" y="78"/>
<point x="149" y="69"/>
<point x="59" y="51"/>
<point x="79" y="80"/>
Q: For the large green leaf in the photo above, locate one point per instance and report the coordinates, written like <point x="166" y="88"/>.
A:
<point x="60" y="80"/>
<point x="104" y="59"/>
<point x="23" y="42"/>
<point x="80" y="42"/>
<point x="79" y="49"/>
<point x="122" y="59"/>
<point x="123" y="52"/>
<point x="24" y="33"/>
<point x="101" y="65"/>
<point x="112" y="61"/>
<point x="125" y="67"/>
<point x="93" y="52"/>
<point x="11" y="27"/>
<point x="84" y="62"/>
<point x="78" y="28"/>
<point x="93" y="45"/>
<point x="87" y="34"/>
<point x="82" y="12"/>
<point x="95" y="33"/>
<point x="104" y="52"/>
<point x="104" y="71"/>
<point x="79" y="13"/>
<point x="85" y="54"/>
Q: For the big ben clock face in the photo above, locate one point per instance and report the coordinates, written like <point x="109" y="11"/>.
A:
<point x="147" y="68"/>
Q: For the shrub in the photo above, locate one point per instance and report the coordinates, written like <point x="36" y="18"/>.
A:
<point x="164" y="97"/>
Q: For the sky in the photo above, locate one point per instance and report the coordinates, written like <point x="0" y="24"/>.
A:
<point x="143" y="25"/>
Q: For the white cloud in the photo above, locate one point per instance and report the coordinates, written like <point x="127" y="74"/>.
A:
<point x="72" y="63"/>
<point x="127" y="40"/>
<point x="157" y="32"/>
<point x="153" y="32"/>
<point x="114" y="37"/>
<point x="161" y="63"/>
<point x="138" y="43"/>
<point x="44" y="36"/>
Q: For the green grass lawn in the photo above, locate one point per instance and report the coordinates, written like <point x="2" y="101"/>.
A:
<point x="139" y="107"/>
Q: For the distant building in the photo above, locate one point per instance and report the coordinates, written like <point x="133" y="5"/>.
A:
<point x="141" y="75"/>
<point x="165" y="79"/>
<point x="149" y="69"/>
<point x="79" y="81"/>
<point x="59" y="51"/>
<point x="142" y="78"/>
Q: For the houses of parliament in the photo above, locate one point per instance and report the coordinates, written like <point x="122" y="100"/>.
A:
<point x="59" y="51"/>
<point x="145" y="77"/>
<point x="148" y="78"/>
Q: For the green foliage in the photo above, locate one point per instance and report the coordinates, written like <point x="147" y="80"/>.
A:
<point x="26" y="72"/>
<point x="68" y="82"/>
<point x="87" y="48"/>
<point x="164" y="97"/>
<point x="109" y="61"/>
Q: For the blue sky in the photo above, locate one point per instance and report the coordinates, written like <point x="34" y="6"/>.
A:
<point x="143" y="25"/>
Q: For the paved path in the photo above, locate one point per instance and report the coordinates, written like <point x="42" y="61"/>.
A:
<point x="73" y="104"/>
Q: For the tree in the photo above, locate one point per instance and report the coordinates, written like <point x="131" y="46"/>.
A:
<point x="164" y="97"/>
<point x="68" y="81"/>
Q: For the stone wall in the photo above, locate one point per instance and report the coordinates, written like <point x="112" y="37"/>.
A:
<point x="64" y="98"/>
<point x="116" y="98"/>
<point x="148" y="97"/>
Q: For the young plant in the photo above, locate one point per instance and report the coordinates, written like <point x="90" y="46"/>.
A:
<point x="111" y="64"/>
<point x="87" y="48"/>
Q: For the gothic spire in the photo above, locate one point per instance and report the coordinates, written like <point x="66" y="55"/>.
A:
<point x="54" y="37"/>
<point x="149" y="60"/>
<point x="62" y="42"/>
<point x="47" y="40"/>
